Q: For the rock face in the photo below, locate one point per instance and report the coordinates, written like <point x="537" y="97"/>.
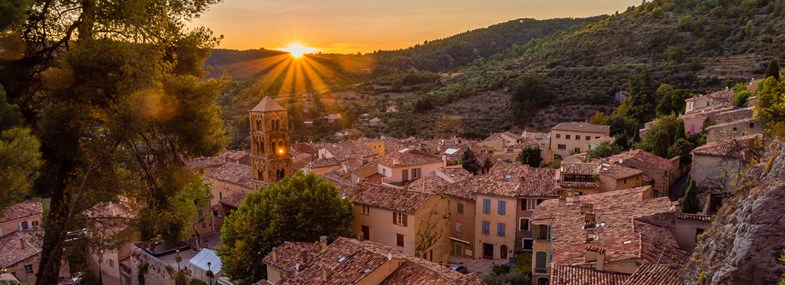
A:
<point x="748" y="236"/>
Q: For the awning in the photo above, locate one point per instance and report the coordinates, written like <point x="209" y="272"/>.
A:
<point x="203" y="257"/>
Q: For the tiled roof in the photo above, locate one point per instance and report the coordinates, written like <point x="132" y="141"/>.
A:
<point x="582" y="127"/>
<point x="267" y="105"/>
<point x="517" y="180"/>
<point x="385" y="197"/>
<point x="21" y="210"/>
<point x="303" y="148"/>
<point x="349" y="149"/>
<point x="324" y="162"/>
<point x="617" y="233"/>
<point x="733" y="148"/>
<point x="726" y="95"/>
<point x="234" y="200"/>
<point x="738" y="122"/>
<point x="643" y="157"/>
<point x="574" y="275"/>
<point x="111" y="218"/>
<point x="580" y="168"/>
<point x="205" y="162"/>
<point x="289" y="254"/>
<point x="235" y="173"/>
<point x="409" y="158"/>
<point x="654" y="274"/>
<point x="349" y="261"/>
<point x="19" y="246"/>
<point x="455" y="172"/>
<point x="427" y="184"/>
<point x="696" y="217"/>
<point x="658" y="246"/>
<point x="617" y="171"/>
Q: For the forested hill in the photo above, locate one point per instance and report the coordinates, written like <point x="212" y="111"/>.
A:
<point x="464" y="48"/>
<point x="695" y="44"/>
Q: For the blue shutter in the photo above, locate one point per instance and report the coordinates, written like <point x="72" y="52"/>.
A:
<point x="486" y="227"/>
<point x="502" y="207"/>
<point x="500" y="229"/>
<point x="486" y="206"/>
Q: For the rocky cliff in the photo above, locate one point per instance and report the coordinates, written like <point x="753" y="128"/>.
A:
<point x="748" y="235"/>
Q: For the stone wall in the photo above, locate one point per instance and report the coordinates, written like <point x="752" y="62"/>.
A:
<point x="156" y="272"/>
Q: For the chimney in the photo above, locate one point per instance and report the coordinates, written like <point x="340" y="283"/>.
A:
<point x="587" y="208"/>
<point x="600" y="260"/>
<point x="21" y="243"/>
<point x="575" y="198"/>
<point x="444" y="160"/>
<point x="274" y="254"/>
<point x="562" y="200"/>
<point x="322" y="242"/>
<point x="326" y="273"/>
<point x="304" y="257"/>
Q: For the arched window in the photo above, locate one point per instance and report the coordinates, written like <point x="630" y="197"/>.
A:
<point x="261" y="146"/>
<point x="542" y="281"/>
<point x="273" y="148"/>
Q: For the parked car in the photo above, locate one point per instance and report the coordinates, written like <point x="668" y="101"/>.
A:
<point x="459" y="268"/>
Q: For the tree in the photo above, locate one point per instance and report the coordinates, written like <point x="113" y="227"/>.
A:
<point x="740" y="98"/>
<point x="681" y="148"/>
<point x="297" y="208"/>
<point x="773" y="70"/>
<point x="770" y="110"/>
<point x="430" y="230"/>
<point x="511" y="278"/>
<point x="661" y="135"/>
<point x="599" y="118"/>
<point x="528" y="94"/>
<point x="469" y="161"/>
<point x="19" y="163"/>
<point x="603" y="150"/>
<point x="530" y="156"/>
<point x="691" y="204"/>
<point x="641" y="103"/>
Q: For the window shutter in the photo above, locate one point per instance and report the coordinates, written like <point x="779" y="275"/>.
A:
<point x="549" y="232"/>
<point x="535" y="231"/>
<point x="395" y="220"/>
<point x="405" y="218"/>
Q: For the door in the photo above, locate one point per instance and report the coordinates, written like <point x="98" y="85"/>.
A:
<point x="405" y="175"/>
<point x="487" y="250"/>
<point x="503" y="252"/>
<point x="366" y="233"/>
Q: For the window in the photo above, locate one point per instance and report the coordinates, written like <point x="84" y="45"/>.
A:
<point x="577" y="149"/>
<point x="111" y="263"/>
<point x="523" y="204"/>
<point x="500" y="229"/>
<point x="558" y="136"/>
<point x="399" y="240"/>
<point x="752" y="125"/>
<point x="23" y="225"/>
<point x="596" y="137"/>
<point x="540" y="232"/>
<point x="588" y="137"/>
<point x="458" y="228"/>
<point x="35" y="223"/>
<point x="486" y="227"/>
<point x="384" y="171"/>
<point x="486" y="206"/>
<point x="460" y="208"/>
<point x="400" y="219"/>
<point x="541" y="260"/>
<point x="577" y="137"/>
<point x="366" y="210"/>
<point x="204" y="225"/>
<point x="561" y="146"/>
<point x="534" y="202"/>
<point x="567" y="136"/>
<point x="502" y="208"/>
<point x="29" y="269"/>
<point x="416" y="173"/>
<point x="523" y="224"/>
<point x="200" y="214"/>
<point x="543" y="281"/>
<point x="528" y="244"/>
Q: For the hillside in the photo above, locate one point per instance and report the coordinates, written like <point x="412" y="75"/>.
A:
<point x="695" y="44"/>
<point x="465" y="48"/>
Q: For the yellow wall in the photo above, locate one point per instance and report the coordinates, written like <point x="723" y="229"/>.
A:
<point x="509" y="219"/>
<point x="377" y="146"/>
<point x="572" y="143"/>
<point x="467" y="221"/>
<point x="9" y="227"/>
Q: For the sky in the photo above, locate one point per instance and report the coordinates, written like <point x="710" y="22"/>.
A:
<point x="350" y="26"/>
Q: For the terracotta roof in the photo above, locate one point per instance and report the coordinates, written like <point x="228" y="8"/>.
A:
<point x="654" y="274"/>
<point x="733" y="148"/>
<point x="19" y="246"/>
<point x="517" y="180"/>
<point x="205" y="162"/>
<point x="267" y="105"/>
<point x="574" y="275"/>
<point x="658" y="245"/>
<point x="726" y="95"/>
<point x="289" y="254"/>
<point x="234" y="200"/>
<point x="696" y="217"/>
<point x="643" y="157"/>
<point x="427" y="184"/>
<point x="349" y="150"/>
<point x="582" y="127"/>
<point x="455" y="172"/>
<point x="349" y="261"/>
<point x="21" y="210"/>
<point x="580" y="168"/>
<point x="385" y="197"/>
<point x="617" y="171"/>
<point x="111" y="218"/>
<point x="409" y="158"/>
<point x="304" y="148"/>
<point x="324" y="162"/>
<point x="617" y="233"/>
<point x="235" y="173"/>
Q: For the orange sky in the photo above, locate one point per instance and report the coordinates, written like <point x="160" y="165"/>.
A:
<point x="350" y="26"/>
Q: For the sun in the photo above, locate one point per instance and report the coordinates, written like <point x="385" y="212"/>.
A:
<point x="298" y="50"/>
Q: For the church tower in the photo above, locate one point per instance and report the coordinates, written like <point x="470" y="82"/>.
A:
<point x="270" y="158"/>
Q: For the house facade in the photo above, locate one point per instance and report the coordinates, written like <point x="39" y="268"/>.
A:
<point x="568" y="138"/>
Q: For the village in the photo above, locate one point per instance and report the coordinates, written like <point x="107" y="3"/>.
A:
<point x="603" y="220"/>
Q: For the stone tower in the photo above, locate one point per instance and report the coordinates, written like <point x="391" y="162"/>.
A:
<point x="270" y="158"/>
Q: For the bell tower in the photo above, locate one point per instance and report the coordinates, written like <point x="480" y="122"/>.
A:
<point x="270" y="158"/>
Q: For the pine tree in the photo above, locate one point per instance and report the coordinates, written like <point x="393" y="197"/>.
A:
<point x="773" y="70"/>
<point x="690" y="204"/>
<point x="469" y="161"/>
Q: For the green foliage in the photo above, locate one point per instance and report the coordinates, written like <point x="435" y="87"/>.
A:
<point x="12" y="12"/>
<point x="298" y="208"/>
<point x="604" y="150"/>
<point x="512" y="278"/>
<point x="740" y="98"/>
<point x="771" y="104"/>
<point x="682" y="148"/>
<point x="197" y="282"/>
<point x="773" y="70"/>
<point x="180" y="278"/>
<point x="670" y="100"/>
<point x="691" y="204"/>
<point x="530" y="156"/>
<point x="20" y="160"/>
<point x="523" y="263"/>
<point x="529" y="94"/>
<point x="641" y="103"/>
<point x="662" y="134"/>
<point x="469" y="161"/>
<point x="9" y="113"/>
